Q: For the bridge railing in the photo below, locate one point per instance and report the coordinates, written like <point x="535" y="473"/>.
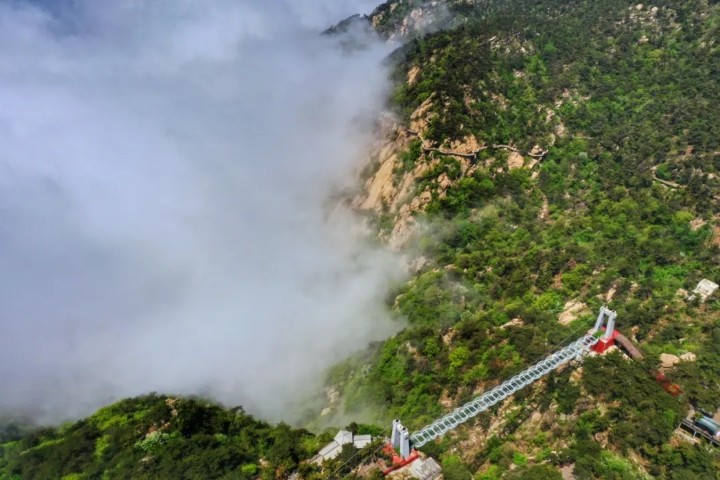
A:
<point x="502" y="391"/>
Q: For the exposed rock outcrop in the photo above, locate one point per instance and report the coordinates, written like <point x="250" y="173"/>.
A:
<point x="571" y="311"/>
<point x="688" y="357"/>
<point x="668" y="360"/>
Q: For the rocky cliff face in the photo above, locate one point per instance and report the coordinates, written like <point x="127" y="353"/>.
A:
<point x="404" y="18"/>
<point x="406" y="176"/>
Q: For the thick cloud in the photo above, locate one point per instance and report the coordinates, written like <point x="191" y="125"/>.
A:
<point x="166" y="212"/>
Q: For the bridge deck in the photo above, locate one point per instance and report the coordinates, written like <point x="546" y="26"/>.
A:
<point x="502" y="391"/>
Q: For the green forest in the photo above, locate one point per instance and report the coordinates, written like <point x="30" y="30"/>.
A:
<point x="623" y="209"/>
<point x="621" y="96"/>
<point x="155" y="437"/>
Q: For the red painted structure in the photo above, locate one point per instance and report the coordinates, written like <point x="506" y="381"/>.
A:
<point x="397" y="461"/>
<point x="604" y="343"/>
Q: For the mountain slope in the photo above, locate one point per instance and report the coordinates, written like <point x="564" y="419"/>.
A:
<point x="544" y="157"/>
<point x="551" y="157"/>
<point x="159" y="437"/>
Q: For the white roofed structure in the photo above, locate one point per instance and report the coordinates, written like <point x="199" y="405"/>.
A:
<point x="329" y="451"/>
<point x="362" y="441"/>
<point x="705" y="288"/>
<point x="343" y="437"/>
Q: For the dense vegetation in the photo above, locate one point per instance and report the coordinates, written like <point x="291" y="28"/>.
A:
<point x="620" y="96"/>
<point x="154" y="437"/>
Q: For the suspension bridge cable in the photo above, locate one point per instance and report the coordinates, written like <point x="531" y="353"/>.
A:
<point x="550" y="350"/>
<point x="507" y="388"/>
<point x="358" y="452"/>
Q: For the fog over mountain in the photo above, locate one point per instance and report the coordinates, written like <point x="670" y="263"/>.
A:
<point x="166" y="212"/>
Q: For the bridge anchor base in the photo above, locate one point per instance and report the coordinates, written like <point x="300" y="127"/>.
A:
<point x="605" y="343"/>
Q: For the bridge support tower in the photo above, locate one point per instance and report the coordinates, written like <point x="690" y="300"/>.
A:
<point x="605" y="321"/>
<point x="400" y="439"/>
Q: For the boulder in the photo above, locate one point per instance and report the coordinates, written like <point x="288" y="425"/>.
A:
<point x="688" y="357"/>
<point x="668" y="360"/>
